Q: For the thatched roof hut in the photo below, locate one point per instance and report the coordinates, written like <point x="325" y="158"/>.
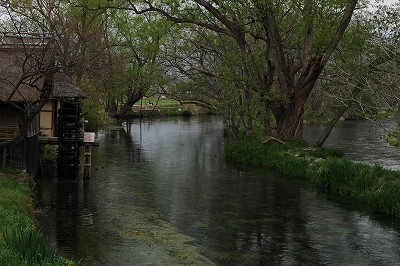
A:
<point x="25" y="58"/>
<point x="63" y="88"/>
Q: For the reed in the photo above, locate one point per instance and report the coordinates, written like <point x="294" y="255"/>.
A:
<point x="326" y="169"/>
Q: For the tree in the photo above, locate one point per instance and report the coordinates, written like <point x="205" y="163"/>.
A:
<point x="138" y="40"/>
<point x="362" y="76"/>
<point x="298" y="37"/>
<point x="211" y="74"/>
<point x="83" y="47"/>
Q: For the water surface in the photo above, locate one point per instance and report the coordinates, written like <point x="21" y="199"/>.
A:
<point x="361" y="140"/>
<point x="161" y="193"/>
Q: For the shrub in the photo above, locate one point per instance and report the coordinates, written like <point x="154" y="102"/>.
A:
<point x="48" y="155"/>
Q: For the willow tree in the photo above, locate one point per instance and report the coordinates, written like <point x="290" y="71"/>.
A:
<point x="363" y="75"/>
<point x="215" y="74"/>
<point x="138" y="40"/>
<point x="298" y="37"/>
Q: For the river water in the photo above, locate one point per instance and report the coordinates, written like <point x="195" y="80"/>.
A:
<point x="161" y="193"/>
<point x="361" y="140"/>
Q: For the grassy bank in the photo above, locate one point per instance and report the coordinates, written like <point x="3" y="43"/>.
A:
<point x="325" y="168"/>
<point x="393" y="138"/>
<point x="21" y="243"/>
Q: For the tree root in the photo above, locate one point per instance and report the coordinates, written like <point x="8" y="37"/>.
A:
<point x="270" y="138"/>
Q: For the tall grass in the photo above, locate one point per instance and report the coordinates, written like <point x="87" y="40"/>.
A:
<point x="21" y="243"/>
<point x="326" y="169"/>
<point x="29" y="243"/>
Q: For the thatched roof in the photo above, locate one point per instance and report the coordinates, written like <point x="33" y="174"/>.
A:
<point x="11" y="81"/>
<point x="63" y="87"/>
<point x="23" y="40"/>
<point x="23" y="56"/>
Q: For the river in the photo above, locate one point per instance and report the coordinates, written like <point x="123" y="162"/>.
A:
<point x="161" y="193"/>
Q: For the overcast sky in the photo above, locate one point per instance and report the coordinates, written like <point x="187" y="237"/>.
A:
<point x="388" y="2"/>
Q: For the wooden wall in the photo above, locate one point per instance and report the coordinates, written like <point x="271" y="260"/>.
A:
<point x="26" y="154"/>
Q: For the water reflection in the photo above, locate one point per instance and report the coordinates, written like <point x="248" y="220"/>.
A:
<point x="162" y="194"/>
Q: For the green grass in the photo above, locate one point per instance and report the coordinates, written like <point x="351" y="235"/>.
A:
<point x="326" y="169"/>
<point x="393" y="137"/>
<point x="21" y="243"/>
<point x="158" y="102"/>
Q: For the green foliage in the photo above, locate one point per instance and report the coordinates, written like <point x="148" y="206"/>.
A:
<point x="326" y="152"/>
<point x="369" y="184"/>
<point x="324" y="168"/>
<point x="94" y="113"/>
<point x="292" y="166"/>
<point x="178" y="112"/>
<point x="393" y="137"/>
<point x="21" y="244"/>
<point x="29" y="243"/>
<point x="49" y="155"/>
<point x="11" y="171"/>
<point x="139" y="40"/>
<point x="92" y="106"/>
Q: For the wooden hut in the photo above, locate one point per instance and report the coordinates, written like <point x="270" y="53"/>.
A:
<point x="60" y="119"/>
<point x="24" y="155"/>
<point x="63" y="91"/>
<point x="25" y="59"/>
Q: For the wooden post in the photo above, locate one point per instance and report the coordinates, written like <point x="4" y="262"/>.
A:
<point x="87" y="162"/>
<point x="88" y="141"/>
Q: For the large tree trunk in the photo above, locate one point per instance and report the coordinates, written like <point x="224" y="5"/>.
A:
<point x="132" y="99"/>
<point x="112" y="106"/>
<point x="297" y="81"/>
<point x="289" y="121"/>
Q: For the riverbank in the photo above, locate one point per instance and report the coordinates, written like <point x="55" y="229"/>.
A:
<point x="393" y="137"/>
<point x="21" y="242"/>
<point x="325" y="168"/>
